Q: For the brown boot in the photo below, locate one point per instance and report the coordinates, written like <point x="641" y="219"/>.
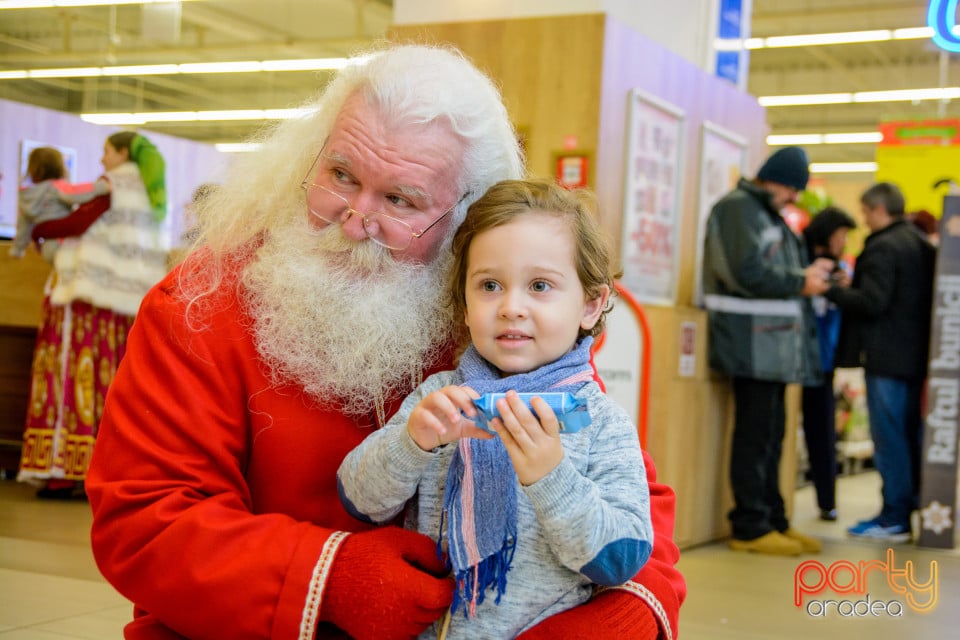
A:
<point x="773" y="543"/>
<point x="808" y="543"/>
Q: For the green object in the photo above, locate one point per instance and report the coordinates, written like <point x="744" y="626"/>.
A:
<point x="153" y="172"/>
<point x="813" y="202"/>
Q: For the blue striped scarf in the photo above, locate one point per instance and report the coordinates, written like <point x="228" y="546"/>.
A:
<point x="480" y="499"/>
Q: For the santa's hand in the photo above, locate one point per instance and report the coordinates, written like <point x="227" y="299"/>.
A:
<point x="386" y="583"/>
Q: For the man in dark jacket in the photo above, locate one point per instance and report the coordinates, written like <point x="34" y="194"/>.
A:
<point x="886" y="330"/>
<point x="762" y="333"/>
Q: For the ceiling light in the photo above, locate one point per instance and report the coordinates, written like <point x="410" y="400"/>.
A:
<point x="843" y="167"/>
<point x="236" y="147"/>
<point x="902" y="95"/>
<point x="74" y="72"/>
<point x="798" y="100"/>
<point x="943" y="93"/>
<point x="820" y="39"/>
<point x="852" y="138"/>
<point x="913" y="33"/>
<point x="806" y="139"/>
<point x="50" y="4"/>
<point x="191" y="116"/>
<point x="306" y="65"/>
<point x="794" y="139"/>
<point x="245" y="66"/>
<point x="239" y="66"/>
<point x="140" y="70"/>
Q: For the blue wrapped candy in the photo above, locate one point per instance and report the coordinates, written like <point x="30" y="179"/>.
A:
<point x="571" y="413"/>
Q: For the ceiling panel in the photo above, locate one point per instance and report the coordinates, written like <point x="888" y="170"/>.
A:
<point x="230" y="30"/>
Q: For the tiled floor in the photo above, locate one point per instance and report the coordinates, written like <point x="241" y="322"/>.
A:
<point x="50" y="588"/>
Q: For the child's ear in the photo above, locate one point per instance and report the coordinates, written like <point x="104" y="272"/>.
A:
<point x="594" y="308"/>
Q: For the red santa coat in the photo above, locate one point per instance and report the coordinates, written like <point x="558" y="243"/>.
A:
<point x="215" y="498"/>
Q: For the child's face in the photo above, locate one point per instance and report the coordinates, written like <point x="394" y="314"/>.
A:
<point x="525" y="304"/>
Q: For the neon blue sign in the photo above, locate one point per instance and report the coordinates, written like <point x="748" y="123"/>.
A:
<point x="942" y="18"/>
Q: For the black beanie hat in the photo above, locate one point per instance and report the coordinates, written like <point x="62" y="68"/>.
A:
<point x="788" y="166"/>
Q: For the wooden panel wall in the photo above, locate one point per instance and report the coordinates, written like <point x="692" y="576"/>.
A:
<point x="21" y="296"/>
<point x="569" y="76"/>
<point x="548" y="70"/>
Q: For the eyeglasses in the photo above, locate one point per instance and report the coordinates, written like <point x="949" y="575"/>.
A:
<point x="386" y="230"/>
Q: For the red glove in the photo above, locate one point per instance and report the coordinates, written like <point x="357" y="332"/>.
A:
<point x="386" y="583"/>
<point x="611" y="614"/>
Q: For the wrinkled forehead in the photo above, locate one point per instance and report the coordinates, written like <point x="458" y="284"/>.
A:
<point x="424" y="155"/>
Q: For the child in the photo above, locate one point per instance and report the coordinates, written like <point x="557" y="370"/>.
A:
<point x="49" y="197"/>
<point x="537" y="515"/>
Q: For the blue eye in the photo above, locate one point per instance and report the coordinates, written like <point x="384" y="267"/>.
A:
<point x="540" y="286"/>
<point x="398" y="201"/>
<point x="341" y="177"/>
<point x="489" y="285"/>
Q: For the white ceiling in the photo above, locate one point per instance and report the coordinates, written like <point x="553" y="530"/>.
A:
<point x="221" y="30"/>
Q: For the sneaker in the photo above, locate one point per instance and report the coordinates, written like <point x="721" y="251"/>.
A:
<point x="773" y="543"/>
<point x="876" y="530"/>
<point x="828" y="515"/>
<point x="808" y="543"/>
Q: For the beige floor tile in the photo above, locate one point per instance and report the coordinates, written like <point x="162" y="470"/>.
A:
<point x="99" y="625"/>
<point x="50" y="588"/>
<point x="37" y="634"/>
<point x="29" y="599"/>
<point x="750" y="596"/>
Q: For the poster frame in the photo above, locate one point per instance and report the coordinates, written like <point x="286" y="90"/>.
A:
<point x="642" y="108"/>
<point x="706" y="196"/>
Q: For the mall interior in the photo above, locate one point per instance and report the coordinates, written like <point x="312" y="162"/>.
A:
<point x="658" y="108"/>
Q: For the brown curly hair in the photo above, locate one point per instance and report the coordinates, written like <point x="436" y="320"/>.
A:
<point x="506" y="201"/>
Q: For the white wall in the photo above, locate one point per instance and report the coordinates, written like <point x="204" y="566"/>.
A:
<point x="189" y="163"/>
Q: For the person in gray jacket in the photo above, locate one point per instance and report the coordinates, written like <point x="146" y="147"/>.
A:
<point x="762" y="333"/>
<point x="48" y="197"/>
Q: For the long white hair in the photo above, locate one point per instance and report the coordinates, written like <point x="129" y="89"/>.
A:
<point x="408" y="84"/>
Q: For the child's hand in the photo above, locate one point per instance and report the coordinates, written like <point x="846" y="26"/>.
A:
<point x="437" y="419"/>
<point x="534" y="445"/>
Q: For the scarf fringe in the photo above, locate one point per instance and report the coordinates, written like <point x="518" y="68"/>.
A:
<point x="473" y="582"/>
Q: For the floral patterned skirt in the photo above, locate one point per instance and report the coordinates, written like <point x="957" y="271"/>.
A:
<point x="78" y="349"/>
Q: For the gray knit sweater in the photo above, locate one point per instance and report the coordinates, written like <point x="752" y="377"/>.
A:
<point x="592" y="512"/>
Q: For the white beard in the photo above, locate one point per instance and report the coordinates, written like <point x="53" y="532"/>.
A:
<point x="344" y="319"/>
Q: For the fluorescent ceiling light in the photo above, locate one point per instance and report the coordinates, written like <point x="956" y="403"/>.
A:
<point x="843" y="167"/>
<point x="794" y="139"/>
<point x="901" y="95"/>
<point x="236" y="147"/>
<point x="913" y="33"/>
<point x="806" y="139"/>
<point x="238" y="66"/>
<point x="311" y="64"/>
<point x="805" y="99"/>
<point x="50" y="4"/>
<point x="73" y="72"/>
<point x="243" y="66"/>
<point x="822" y="39"/>
<point x="853" y="138"/>
<point x="905" y="95"/>
<point x="118" y="119"/>
<point x="140" y="70"/>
